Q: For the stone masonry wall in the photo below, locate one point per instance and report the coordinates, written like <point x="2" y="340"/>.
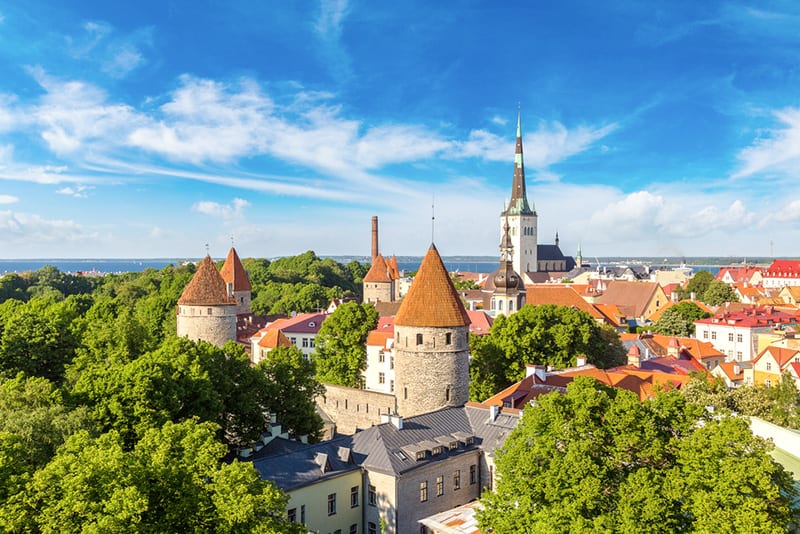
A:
<point x="378" y="291"/>
<point x="195" y="323"/>
<point x="352" y="409"/>
<point x="432" y="374"/>
<point x="242" y="302"/>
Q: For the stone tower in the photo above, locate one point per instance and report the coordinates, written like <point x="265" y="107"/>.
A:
<point x="521" y="218"/>
<point x="205" y="310"/>
<point x="379" y="282"/>
<point x="237" y="282"/>
<point x="431" y="342"/>
<point x="509" y="288"/>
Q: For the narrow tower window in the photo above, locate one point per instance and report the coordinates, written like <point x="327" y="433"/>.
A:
<point x="447" y="394"/>
<point x="448" y="338"/>
<point x="419" y="339"/>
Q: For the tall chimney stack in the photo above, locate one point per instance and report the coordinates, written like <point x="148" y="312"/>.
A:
<point x="374" y="236"/>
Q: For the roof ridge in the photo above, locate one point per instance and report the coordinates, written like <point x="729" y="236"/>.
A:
<point x="206" y="288"/>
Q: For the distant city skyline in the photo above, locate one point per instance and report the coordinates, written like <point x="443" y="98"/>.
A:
<point x="151" y="129"/>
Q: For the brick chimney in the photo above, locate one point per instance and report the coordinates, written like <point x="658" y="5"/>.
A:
<point x="374" y="236"/>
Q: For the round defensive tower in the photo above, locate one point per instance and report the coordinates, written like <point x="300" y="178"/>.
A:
<point x="205" y="310"/>
<point x="237" y="282"/>
<point x="431" y="342"/>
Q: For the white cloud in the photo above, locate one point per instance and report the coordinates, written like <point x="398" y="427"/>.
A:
<point x="777" y="152"/>
<point x="78" y="191"/>
<point x="8" y="199"/>
<point x="328" y="27"/>
<point x="123" y="59"/>
<point x="234" y="210"/>
<point x="32" y="230"/>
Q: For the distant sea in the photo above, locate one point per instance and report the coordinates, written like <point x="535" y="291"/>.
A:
<point x="136" y="265"/>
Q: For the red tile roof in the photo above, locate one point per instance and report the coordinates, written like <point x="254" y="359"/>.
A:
<point x="631" y="297"/>
<point x="780" y="354"/>
<point x="783" y="269"/>
<point x="273" y="339"/>
<point x="538" y="294"/>
<point x="729" y="369"/>
<point x="233" y="272"/>
<point x="751" y="317"/>
<point x="379" y="271"/>
<point x="480" y="322"/>
<point x="302" y="323"/>
<point x="432" y="300"/>
<point x="206" y="288"/>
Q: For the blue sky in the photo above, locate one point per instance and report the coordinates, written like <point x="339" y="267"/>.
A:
<point x="153" y="128"/>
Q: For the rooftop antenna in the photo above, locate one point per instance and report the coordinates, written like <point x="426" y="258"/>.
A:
<point x="207" y="250"/>
<point x="231" y="241"/>
<point x="433" y="216"/>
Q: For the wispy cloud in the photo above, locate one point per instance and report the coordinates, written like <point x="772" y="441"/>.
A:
<point x="227" y="212"/>
<point x="328" y="28"/>
<point x="116" y="54"/>
<point x="78" y="191"/>
<point x="777" y="152"/>
<point x="34" y="229"/>
<point x="8" y="199"/>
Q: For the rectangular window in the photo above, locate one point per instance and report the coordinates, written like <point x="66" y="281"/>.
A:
<point x="713" y="335"/>
<point x="457" y="479"/>
<point x="305" y="342"/>
<point x="705" y="334"/>
<point x="419" y="339"/>
<point x="473" y="474"/>
<point x="293" y="340"/>
<point x="448" y="338"/>
<point x="391" y="362"/>
<point x="292" y="514"/>
<point x="739" y="338"/>
<point x="372" y="496"/>
<point x="730" y="336"/>
<point x="354" y="528"/>
<point x="391" y="386"/>
<point x="423" y="491"/>
<point x="739" y="355"/>
<point x="372" y="528"/>
<point x="440" y="485"/>
<point x="332" y="504"/>
<point x="353" y="496"/>
<point x="303" y="513"/>
<point x="769" y="366"/>
<point x="311" y="342"/>
<point x="209" y="311"/>
<point x="381" y="378"/>
<point x="381" y="357"/>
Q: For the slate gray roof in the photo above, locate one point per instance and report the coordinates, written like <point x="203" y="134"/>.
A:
<point x="302" y="467"/>
<point x="389" y="450"/>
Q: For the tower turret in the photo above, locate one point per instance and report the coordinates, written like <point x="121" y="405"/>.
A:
<point x="237" y="282"/>
<point x="508" y="293"/>
<point x="431" y="342"/>
<point x="520" y="216"/>
<point x="205" y="310"/>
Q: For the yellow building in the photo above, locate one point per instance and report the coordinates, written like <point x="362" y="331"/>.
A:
<point x="772" y="362"/>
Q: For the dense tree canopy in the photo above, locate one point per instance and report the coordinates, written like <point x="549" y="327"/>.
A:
<point x="170" y="481"/>
<point x="697" y="285"/>
<point x="542" y="335"/>
<point x="341" y="353"/>
<point x="596" y="459"/>
<point x="718" y="292"/>
<point x="679" y="319"/>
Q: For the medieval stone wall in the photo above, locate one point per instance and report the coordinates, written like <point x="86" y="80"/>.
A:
<point x="352" y="409"/>
<point x="378" y="291"/>
<point x="431" y="368"/>
<point x="242" y="302"/>
<point x="215" y="324"/>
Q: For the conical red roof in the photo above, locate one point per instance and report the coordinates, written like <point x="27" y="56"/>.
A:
<point x="206" y="288"/>
<point x="378" y="272"/>
<point x="432" y="299"/>
<point x="233" y="272"/>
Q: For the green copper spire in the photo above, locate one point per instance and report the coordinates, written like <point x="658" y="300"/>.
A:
<point x="519" y="200"/>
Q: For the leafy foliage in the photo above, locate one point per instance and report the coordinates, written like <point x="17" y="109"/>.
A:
<point x="341" y="353"/>
<point x="541" y="335"/>
<point x="679" y="319"/>
<point x="718" y="293"/>
<point x="171" y="481"/>
<point x="697" y="285"/>
<point x="597" y="459"/>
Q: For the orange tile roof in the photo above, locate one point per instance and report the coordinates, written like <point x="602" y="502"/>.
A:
<point x="781" y="355"/>
<point x="273" y="339"/>
<point x="394" y="271"/>
<point x="432" y="300"/>
<point x="631" y="297"/>
<point x="379" y="271"/>
<point x="729" y="367"/>
<point x="538" y="294"/>
<point x="612" y="314"/>
<point x="480" y="322"/>
<point x="206" y="288"/>
<point x="233" y="272"/>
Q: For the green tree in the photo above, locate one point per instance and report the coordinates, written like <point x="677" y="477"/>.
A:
<point x="171" y="481"/>
<point x="341" y="353"/>
<point x="291" y="390"/>
<point x="717" y="293"/>
<point x="697" y="285"/>
<point x="597" y="459"/>
<point x="542" y="335"/>
<point x="678" y="320"/>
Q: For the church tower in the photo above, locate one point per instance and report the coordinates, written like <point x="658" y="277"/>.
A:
<point x="237" y="282"/>
<point x="205" y="310"/>
<point x="431" y="342"/>
<point x="509" y="288"/>
<point x="521" y="218"/>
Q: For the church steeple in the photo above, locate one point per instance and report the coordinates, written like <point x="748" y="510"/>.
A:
<point x="519" y="198"/>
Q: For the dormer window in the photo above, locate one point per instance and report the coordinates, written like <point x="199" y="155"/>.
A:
<point x="469" y="441"/>
<point x="437" y="450"/>
<point x="312" y="324"/>
<point x="420" y="455"/>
